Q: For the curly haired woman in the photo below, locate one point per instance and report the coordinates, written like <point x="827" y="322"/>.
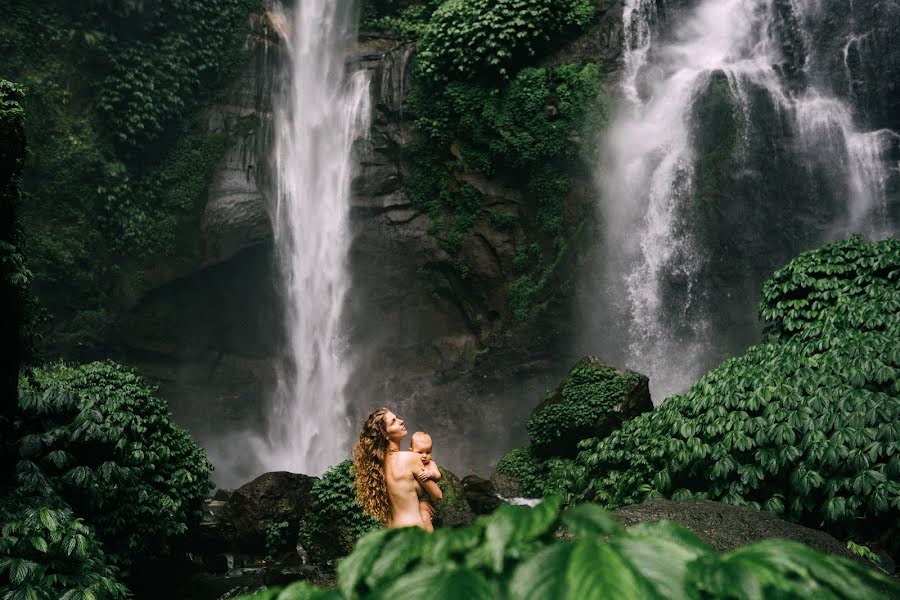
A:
<point x="388" y="480"/>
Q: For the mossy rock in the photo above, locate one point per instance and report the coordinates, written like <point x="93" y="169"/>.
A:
<point x="593" y="400"/>
<point x="453" y="510"/>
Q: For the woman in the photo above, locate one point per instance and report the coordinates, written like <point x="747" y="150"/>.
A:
<point x="388" y="485"/>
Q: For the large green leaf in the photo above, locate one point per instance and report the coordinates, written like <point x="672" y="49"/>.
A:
<point x="401" y="548"/>
<point x="589" y="519"/>
<point x="586" y="570"/>
<point x="353" y="569"/>
<point x="663" y="562"/>
<point x="437" y="583"/>
<point x="836" y="576"/>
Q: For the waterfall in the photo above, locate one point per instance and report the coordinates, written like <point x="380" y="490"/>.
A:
<point x="663" y="258"/>
<point x="318" y="112"/>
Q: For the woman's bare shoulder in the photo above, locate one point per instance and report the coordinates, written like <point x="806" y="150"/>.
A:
<point x="407" y="457"/>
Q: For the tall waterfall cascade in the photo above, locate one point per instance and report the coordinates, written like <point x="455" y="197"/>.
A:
<point x="711" y="81"/>
<point x="319" y="110"/>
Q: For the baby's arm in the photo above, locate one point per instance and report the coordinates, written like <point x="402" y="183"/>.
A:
<point x="433" y="472"/>
<point x="431" y="488"/>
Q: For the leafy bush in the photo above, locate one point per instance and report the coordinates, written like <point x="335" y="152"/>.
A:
<point x="537" y="477"/>
<point x="335" y="520"/>
<point x="470" y="37"/>
<point x="48" y="554"/>
<point x="98" y="436"/>
<point x="277" y="538"/>
<point x="805" y="425"/>
<point x="515" y="553"/>
<point x="570" y="413"/>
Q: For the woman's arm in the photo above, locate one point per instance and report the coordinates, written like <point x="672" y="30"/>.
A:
<point x="432" y="489"/>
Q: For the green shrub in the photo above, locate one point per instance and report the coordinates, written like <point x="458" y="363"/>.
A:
<point x="537" y="477"/>
<point x="99" y="436"/>
<point x="805" y="425"/>
<point x="466" y="38"/>
<point x="48" y="554"/>
<point x="335" y="520"/>
<point x="277" y="538"/>
<point x="570" y="413"/>
<point x="515" y="553"/>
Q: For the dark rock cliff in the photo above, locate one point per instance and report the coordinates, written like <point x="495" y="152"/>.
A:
<point x="210" y="326"/>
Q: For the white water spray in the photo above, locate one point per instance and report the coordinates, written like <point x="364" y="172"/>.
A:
<point x="318" y="112"/>
<point x="648" y="176"/>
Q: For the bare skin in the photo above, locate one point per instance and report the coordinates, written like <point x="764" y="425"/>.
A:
<point x="400" y="470"/>
<point x="429" y="475"/>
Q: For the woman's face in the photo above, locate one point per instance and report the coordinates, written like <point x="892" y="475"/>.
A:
<point x="394" y="426"/>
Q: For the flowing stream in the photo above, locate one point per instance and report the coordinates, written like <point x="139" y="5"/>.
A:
<point x="319" y="109"/>
<point x="666" y="309"/>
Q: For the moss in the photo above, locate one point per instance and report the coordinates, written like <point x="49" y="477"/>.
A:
<point x="570" y="413"/>
<point x="523" y="129"/>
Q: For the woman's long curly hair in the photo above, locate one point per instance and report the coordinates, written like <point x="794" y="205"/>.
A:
<point x="369" y="455"/>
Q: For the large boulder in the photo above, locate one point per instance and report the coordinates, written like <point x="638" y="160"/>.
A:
<point x="453" y="510"/>
<point x="593" y="400"/>
<point x="726" y="527"/>
<point x="480" y="494"/>
<point x="270" y="498"/>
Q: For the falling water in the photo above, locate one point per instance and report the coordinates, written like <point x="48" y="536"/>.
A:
<point x="318" y="112"/>
<point x="648" y="178"/>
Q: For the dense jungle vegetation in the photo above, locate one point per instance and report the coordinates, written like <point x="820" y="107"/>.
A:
<point x="119" y="157"/>
<point x="98" y="479"/>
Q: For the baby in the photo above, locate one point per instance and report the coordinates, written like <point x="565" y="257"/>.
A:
<point x="429" y="476"/>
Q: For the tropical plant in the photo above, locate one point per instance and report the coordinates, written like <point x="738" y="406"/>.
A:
<point x="805" y="424"/>
<point x="277" y="538"/>
<point x="48" y="554"/>
<point x="471" y="37"/>
<point x="569" y="414"/>
<point x="335" y="521"/>
<point x="582" y="553"/>
<point x="98" y="436"/>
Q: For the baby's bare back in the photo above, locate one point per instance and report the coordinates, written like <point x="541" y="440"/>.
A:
<point x="403" y="489"/>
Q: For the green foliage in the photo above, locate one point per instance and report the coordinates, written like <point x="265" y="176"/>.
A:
<point x="805" y="425"/>
<point x="48" y="554"/>
<point x="117" y="166"/>
<point x="154" y="74"/>
<point x="515" y="554"/>
<point x="570" y="413"/>
<point x="335" y="520"/>
<point x="405" y="17"/>
<point x="277" y="538"/>
<point x="864" y="552"/>
<point x="100" y="438"/>
<point x="466" y="38"/>
<point x="846" y="284"/>
<point x="527" y="129"/>
<point x="537" y="477"/>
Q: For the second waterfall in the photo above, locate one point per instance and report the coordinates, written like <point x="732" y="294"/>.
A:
<point x="319" y="109"/>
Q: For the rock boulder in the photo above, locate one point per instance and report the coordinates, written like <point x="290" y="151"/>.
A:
<point x="270" y="498"/>
<point x="726" y="527"/>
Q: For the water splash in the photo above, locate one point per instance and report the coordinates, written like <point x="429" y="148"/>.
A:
<point x="318" y="112"/>
<point x="648" y="178"/>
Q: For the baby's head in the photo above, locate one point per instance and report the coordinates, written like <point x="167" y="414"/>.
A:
<point x="420" y="443"/>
